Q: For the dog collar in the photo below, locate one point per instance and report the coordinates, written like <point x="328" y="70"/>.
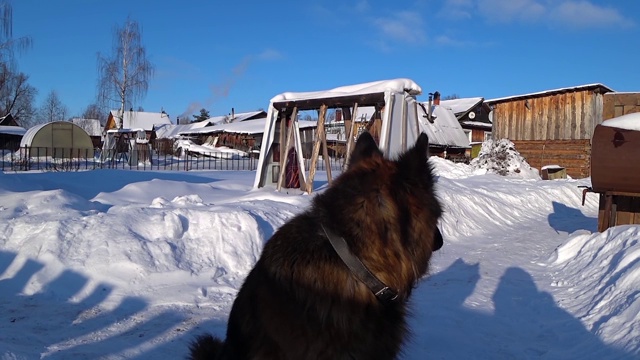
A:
<point x="384" y="293"/>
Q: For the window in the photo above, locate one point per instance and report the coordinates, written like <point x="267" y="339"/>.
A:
<point x="468" y="133"/>
<point x="488" y="135"/>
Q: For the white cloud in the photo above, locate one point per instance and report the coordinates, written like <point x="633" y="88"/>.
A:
<point x="457" y="9"/>
<point x="564" y="13"/>
<point x="583" y="14"/>
<point x="511" y="10"/>
<point x="403" y="26"/>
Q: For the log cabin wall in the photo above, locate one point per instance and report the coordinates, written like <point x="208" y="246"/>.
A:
<point x="618" y="104"/>
<point x="552" y="128"/>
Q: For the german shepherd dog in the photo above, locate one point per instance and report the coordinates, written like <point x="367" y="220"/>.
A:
<point x="334" y="281"/>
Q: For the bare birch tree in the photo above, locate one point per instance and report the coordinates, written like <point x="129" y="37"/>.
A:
<point x="16" y="95"/>
<point x="52" y="109"/>
<point x="124" y="76"/>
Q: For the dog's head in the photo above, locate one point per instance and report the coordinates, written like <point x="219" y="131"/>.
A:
<point x="389" y="203"/>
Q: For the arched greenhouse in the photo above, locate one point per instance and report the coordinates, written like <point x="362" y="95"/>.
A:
<point x="58" y="139"/>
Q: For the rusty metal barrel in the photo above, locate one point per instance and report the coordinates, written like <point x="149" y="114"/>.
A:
<point x="615" y="160"/>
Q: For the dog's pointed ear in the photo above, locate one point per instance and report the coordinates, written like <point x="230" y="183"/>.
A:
<point x="422" y="145"/>
<point x="365" y="148"/>
<point x="416" y="158"/>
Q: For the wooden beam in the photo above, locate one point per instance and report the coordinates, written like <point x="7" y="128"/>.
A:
<point x="316" y="147"/>
<point x="349" y="139"/>
<point x="283" y="159"/>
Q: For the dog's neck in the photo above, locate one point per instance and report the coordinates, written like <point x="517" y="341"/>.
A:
<point x="384" y="293"/>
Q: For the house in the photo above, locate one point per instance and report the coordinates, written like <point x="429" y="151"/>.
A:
<point x="8" y="120"/>
<point x="552" y="127"/>
<point x="10" y="133"/>
<point x="136" y="120"/>
<point x="447" y="139"/>
<point x="93" y="128"/>
<point x="244" y="135"/>
<point x="474" y="117"/>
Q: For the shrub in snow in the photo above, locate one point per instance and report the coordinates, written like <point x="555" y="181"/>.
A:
<point x="501" y="157"/>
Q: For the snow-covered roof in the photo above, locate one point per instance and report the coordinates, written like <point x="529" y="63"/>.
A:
<point x="381" y="86"/>
<point x="237" y="117"/>
<point x="251" y="127"/>
<point x="445" y="129"/>
<point x="91" y="126"/>
<point x="141" y="119"/>
<point x="168" y="131"/>
<point x="463" y="105"/>
<point x="551" y="92"/>
<point x="12" y="130"/>
<point x="627" y="122"/>
<point x="477" y="123"/>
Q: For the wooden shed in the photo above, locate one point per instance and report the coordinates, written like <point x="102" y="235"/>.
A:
<point x="552" y="127"/>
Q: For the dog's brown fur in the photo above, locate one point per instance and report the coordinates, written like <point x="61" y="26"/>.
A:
<point x="301" y="301"/>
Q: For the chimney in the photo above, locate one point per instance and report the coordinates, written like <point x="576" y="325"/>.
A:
<point x="436" y="98"/>
<point x="233" y="114"/>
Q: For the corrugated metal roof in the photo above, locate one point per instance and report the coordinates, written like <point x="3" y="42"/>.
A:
<point x="445" y="129"/>
<point x="550" y="92"/>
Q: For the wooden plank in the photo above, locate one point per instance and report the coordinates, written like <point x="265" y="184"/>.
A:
<point x="350" y="135"/>
<point x="315" y="152"/>
<point x="283" y="159"/>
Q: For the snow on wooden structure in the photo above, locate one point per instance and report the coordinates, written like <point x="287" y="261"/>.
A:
<point x="396" y="128"/>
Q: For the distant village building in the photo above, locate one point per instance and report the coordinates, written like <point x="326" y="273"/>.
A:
<point x="93" y="128"/>
<point x="10" y="133"/>
<point x="474" y="115"/>
<point x="136" y="120"/>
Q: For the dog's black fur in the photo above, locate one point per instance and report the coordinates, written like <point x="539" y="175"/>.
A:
<point x="300" y="301"/>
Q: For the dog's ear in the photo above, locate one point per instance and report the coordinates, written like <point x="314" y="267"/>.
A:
<point x="415" y="160"/>
<point x="365" y="148"/>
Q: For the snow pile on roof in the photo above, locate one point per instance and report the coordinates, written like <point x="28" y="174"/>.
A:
<point x="91" y="126"/>
<point x="237" y="117"/>
<point x="169" y="131"/>
<point x="249" y="127"/>
<point x="459" y="106"/>
<point x="394" y="85"/>
<point x="502" y="158"/>
<point x="141" y="119"/>
<point x="12" y="130"/>
<point x="627" y="122"/>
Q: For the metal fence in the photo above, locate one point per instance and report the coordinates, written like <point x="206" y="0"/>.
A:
<point x="58" y="159"/>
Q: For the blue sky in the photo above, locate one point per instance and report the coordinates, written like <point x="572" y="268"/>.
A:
<point x="242" y="53"/>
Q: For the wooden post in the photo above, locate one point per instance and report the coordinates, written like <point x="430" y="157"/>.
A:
<point x="350" y="136"/>
<point x="316" y="147"/>
<point x="283" y="159"/>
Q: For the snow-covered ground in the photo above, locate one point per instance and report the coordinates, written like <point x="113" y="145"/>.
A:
<point x="113" y="264"/>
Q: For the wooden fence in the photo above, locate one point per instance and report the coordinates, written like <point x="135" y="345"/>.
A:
<point x="573" y="155"/>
